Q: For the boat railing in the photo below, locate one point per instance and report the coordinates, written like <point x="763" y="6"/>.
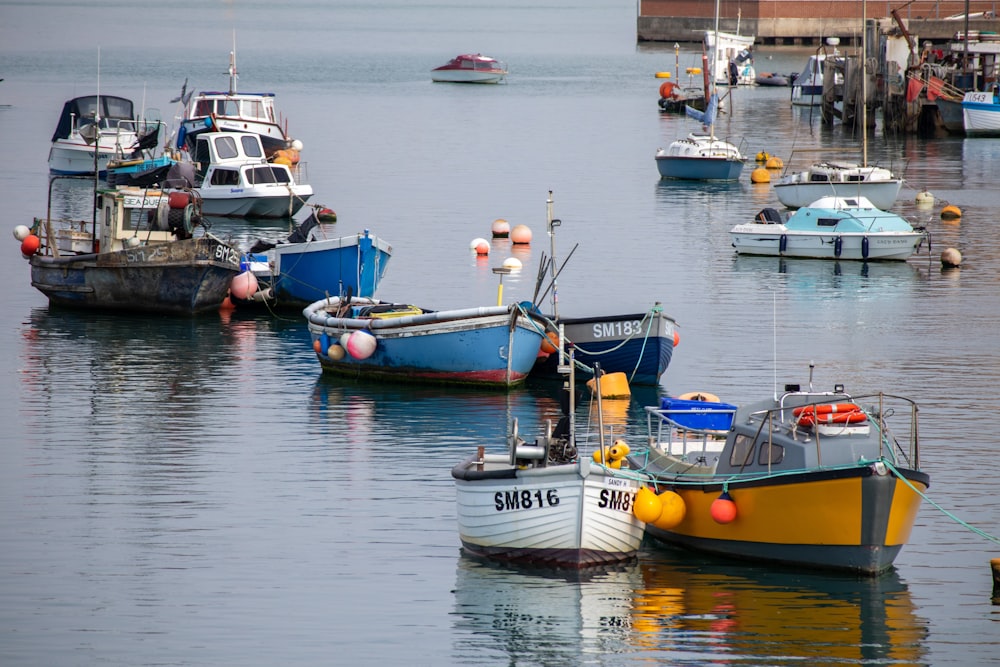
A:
<point x="899" y="442"/>
<point x="684" y="432"/>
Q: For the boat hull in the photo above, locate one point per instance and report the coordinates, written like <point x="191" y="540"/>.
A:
<point x="952" y="115"/>
<point x="307" y="272"/>
<point x="638" y="344"/>
<point x="754" y="239"/>
<point x="76" y="158"/>
<point x="572" y="515"/>
<point x="981" y="114"/>
<point x="487" y="347"/>
<point x="271" y="201"/>
<point x="699" y="168"/>
<point x="882" y="194"/>
<point x="467" y="76"/>
<point x="790" y="519"/>
<point x="180" y="278"/>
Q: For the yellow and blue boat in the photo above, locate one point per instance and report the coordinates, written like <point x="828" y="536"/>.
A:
<point x="807" y="478"/>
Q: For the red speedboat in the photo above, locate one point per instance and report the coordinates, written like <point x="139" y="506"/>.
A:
<point x="470" y="68"/>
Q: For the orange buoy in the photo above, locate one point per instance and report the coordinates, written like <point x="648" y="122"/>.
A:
<point x="667" y="88"/>
<point x="550" y="343"/>
<point x="760" y="175"/>
<point x="500" y="228"/>
<point x="677" y="338"/>
<point x="244" y="285"/>
<point x="774" y="162"/>
<point x="317" y="346"/>
<point x="30" y="245"/>
<point x="723" y="509"/>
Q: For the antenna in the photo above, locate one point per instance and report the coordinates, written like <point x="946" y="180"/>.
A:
<point x="774" y="339"/>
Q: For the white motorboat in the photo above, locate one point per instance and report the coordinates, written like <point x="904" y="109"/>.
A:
<point x="234" y="179"/>
<point x="101" y="124"/>
<point x="838" y="179"/>
<point x="470" y="68"/>
<point x="830" y="228"/>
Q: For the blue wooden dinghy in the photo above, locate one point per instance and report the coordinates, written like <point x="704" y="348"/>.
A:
<point x="374" y="340"/>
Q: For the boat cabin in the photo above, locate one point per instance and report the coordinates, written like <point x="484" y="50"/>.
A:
<point x="126" y="218"/>
<point x="235" y="159"/>
<point x="109" y="112"/>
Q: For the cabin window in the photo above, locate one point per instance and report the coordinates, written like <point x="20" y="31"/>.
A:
<point x="819" y="178"/>
<point x="203" y="108"/>
<point x="225" y="146"/>
<point x="225" y="177"/>
<point x="827" y="222"/>
<point x="855" y="178"/>
<point x="253" y="109"/>
<point x="229" y="108"/>
<point x="742" y="451"/>
<point x="770" y="453"/>
<point x="251" y="145"/>
<point x="281" y="175"/>
<point x="116" y="107"/>
<point x="260" y="175"/>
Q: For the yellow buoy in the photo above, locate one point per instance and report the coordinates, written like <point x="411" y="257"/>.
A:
<point x="774" y="162"/>
<point x="663" y="75"/>
<point x="619" y="449"/>
<point x="693" y="70"/>
<point x="613" y="385"/>
<point x="672" y="512"/>
<point x="646" y="506"/>
<point x="760" y="175"/>
<point x="951" y="212"/>
<point x="762" y="156"/>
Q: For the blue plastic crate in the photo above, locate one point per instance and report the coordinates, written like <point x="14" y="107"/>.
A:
<point x="703" y="416"/>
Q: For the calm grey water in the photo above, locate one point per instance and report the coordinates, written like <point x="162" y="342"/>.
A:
<point x="193" y="492"/>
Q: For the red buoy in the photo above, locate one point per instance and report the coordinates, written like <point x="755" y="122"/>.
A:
<point x="30" y="245"/>
<point x="723" y="509"/>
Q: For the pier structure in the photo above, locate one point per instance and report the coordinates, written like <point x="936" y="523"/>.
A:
<point x="807" y="22"/>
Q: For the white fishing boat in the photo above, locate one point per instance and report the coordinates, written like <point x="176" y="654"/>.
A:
<point x="470" y="68"/>
<point x="550" y="502"/>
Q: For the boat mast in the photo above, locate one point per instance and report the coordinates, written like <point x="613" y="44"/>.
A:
<point x="550" y="227"/>
<point x="232" y="67"/>
<point x="864" y="83"/>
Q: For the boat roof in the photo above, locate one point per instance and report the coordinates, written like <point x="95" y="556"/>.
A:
<point x="846" y="214"/>
<point x="112" y="107"/>
<point x="225" y="93"/>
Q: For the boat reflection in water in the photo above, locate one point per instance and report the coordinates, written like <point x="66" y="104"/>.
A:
<point x="767" y="615"/>
<point x="669" y="604"/>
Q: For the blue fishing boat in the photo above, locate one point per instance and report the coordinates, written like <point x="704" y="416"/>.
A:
<point x="493" y="347"/>
<point x="306" y="267"/>
<point x="639" y="345"/>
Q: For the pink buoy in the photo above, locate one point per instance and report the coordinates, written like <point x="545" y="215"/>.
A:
<point x="361" y="344"/>
<point x="244" y="285"/>
<point x="521" y="234"/>
<point x="501" y="228"/>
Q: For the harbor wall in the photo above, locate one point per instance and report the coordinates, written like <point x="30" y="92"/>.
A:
<point x="790" y="22"/>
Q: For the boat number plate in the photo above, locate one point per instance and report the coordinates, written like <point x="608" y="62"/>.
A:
<point x="525" y="499"/>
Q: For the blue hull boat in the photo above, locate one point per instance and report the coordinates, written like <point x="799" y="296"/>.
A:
<point x="305" y="268"/>
<point x="639" y="345"/>
<point x="493" y="347"/>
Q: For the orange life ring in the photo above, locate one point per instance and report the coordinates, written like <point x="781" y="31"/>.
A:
<point x="825" y="409"/>
<point x="854" y="417"/>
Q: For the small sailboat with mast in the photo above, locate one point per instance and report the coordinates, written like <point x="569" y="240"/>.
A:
<point x="702" y="156"/>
